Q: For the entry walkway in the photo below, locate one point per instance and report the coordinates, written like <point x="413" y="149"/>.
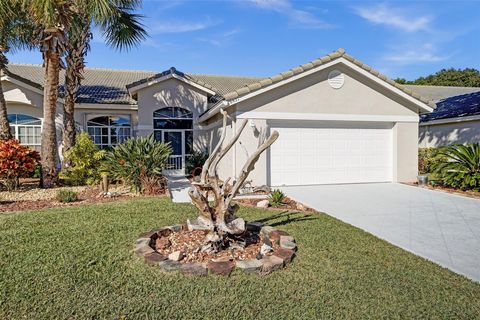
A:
<point x="178" y="187"/>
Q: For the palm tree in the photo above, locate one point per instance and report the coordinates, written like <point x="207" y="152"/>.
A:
<point x="54" y="20"/>
<point x="122" y="30"/>
<point x="14" y="33"/>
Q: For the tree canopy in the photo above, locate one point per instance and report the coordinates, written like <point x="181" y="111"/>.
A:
<point x="468" y="77"/>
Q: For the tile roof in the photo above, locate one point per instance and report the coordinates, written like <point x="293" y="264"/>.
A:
<point x="340" y="53"/>
<point x="109" y="86"/>
<point x="462" y="105"/>
<point x="438" y="93"/>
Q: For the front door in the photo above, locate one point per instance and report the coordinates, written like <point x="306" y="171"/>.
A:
<point x="176" y="139"/>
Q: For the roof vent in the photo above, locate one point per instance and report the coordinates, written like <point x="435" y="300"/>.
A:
<point x="336" y="79"/>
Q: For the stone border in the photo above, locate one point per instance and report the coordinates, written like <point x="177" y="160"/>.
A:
<point x="144" y="247"/>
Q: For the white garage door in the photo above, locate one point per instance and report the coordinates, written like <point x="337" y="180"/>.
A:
<point x="327" y="154"/>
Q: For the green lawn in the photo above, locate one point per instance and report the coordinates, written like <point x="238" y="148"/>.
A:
<point x="76" y="263"/>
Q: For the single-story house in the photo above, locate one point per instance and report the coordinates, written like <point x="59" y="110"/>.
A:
<point x="340" y="121"/>
<point x="456" y="120"/>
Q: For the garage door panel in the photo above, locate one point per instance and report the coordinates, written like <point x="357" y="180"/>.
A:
<point x="328" y="155"/>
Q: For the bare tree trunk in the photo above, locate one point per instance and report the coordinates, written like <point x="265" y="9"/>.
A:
<point x="220" y="215"/>
<point x="5" y="133"/>
<point x="49" y="135"/>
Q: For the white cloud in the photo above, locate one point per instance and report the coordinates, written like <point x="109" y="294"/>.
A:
<point x="415" y="54"/>
<point x="181" y="26"/>
<point x="302" y="18"/>
<point x="395" y="17"/>
<point x="221" y="40"/>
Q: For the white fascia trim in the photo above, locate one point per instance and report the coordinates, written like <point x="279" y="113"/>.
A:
<point x="105" y="106"/>
<point x="450" y="120"/>
<point x="214" y="110"/>
<point x="324" y="117"/>
<point x="135" y="89"/>
<point x="353" y="66"/>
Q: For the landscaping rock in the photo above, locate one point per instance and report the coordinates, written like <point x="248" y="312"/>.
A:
<point x="176" y="227"/>
<point x="199" y="224"/>
<point x="285" y="254"/>
<point x="264" y="249"/>
<point x="254" y="226"/>
<point x="267" y="241"/>
<point x="194" y="269"/>
<point x="263" y="204"/>
<point x="271" y="263"/>
<point x="142" y="247"/>
<point x="154" y="258"/>
<point x="169" y="265"/>
<point x="263" y="188"/>
<point x="266" y="230"/>
<point x="285" y="244"/>
<point x="275" y="235"/>
<point x="237" y="225"/>
<point x="223" y="268"/>
<point x="249" y="265"/>
<point x="287" y="238"/>
<point x="176" y="256"/>
<point x="149" y="234"/>
<point x="301" y="207"/>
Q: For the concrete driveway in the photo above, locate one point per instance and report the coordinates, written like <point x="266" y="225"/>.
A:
<point x="441" y="227"/>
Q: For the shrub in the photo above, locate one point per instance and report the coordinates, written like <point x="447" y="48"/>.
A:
<point x="428" y="158"/>
<point x="16" y="161"/>
<point x="195" y="160"/>
<point x="276" y="197"/>
<point x="461" y="167"/>
<point x="84" y="160"/>
<point x="66" y="196"/>
<point x="137" y="158"/>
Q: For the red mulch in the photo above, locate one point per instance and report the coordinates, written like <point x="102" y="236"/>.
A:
<point x="88" y="196"/>
<point x="190" y="242"/>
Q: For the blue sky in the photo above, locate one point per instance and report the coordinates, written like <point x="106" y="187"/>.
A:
<point x="263" y="37"/>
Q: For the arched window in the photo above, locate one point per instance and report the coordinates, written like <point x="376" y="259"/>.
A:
<point x="109" y="130"/>
<point x="175" y="125"/>
<point x="26" y="129"/>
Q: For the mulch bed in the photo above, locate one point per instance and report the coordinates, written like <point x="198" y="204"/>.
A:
<point x="89" y="195"/>
<point x="467" y="193"/>
<point x="191" y="242"/>
<point x="288" y="204"/>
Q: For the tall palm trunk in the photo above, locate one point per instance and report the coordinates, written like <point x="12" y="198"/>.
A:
<point x="5" y="133"/>
<point x="76" y="50"/>
<point x="71" y="88"/>
<point x="49" y="135"/>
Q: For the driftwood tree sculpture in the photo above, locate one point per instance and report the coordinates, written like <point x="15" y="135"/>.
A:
<point x="218" y="215"/>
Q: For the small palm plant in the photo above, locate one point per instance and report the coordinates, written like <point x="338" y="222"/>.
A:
<point x="461" y="169"/>
<point x="276" y="197"/>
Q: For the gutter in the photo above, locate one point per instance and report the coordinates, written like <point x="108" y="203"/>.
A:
<point x="214" y="110"/>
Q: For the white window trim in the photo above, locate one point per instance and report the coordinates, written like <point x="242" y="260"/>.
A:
<point x="91" y="116"/>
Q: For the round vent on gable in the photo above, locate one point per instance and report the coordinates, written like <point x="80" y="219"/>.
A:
<point x="336" y="79"/>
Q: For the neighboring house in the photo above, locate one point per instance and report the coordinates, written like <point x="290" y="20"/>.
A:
<point x="456" y="120"/>
<point x="339" y="120"/>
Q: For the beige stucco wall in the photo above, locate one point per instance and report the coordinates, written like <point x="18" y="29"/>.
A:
<point x="170" y="93"/>
<point x="449" y="133"/>
<point x="405" y="152"/>
<point x="313" y="94"/>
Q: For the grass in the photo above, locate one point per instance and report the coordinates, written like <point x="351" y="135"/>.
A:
<point x="76" y="263"/>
